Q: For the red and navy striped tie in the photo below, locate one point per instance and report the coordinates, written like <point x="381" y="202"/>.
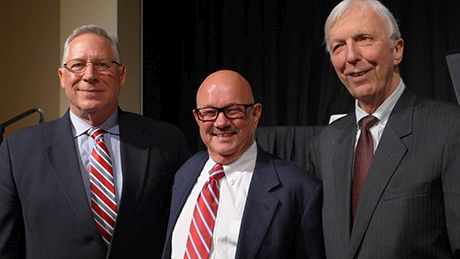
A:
<point x="103" y="204"/>
<point x="204" y="217"/>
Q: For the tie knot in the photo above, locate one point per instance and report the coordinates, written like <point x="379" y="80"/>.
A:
<point x="217" y="172"/>
<point x="367" y="122"/>
<point x="96" y="133"/>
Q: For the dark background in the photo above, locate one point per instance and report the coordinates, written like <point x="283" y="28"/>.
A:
<point x="278" y="46"/>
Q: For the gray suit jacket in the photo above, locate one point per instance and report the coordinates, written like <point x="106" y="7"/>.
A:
<point x="410" y="205"/>
<point x="282" y="215"/>
<point x="44" y="212"/>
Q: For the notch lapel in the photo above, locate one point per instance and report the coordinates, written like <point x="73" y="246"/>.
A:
<point x="183" y="185"/>
<point x="135" y="151"/>
<point x="343" y="157"/>
<point x="184" y="181"/>
<point x="390" y="151"/>
<point x="62" y="155"/>
<point x="260" y="207"/>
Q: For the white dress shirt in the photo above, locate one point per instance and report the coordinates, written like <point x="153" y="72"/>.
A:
<point x="234" y="187"/>
<point x="382" y="113"/>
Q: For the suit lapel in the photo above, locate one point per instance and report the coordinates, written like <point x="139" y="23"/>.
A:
<point x="135" y="151"/>
<point x="183" y="185"/>
<point x="343" y="156"/>
<point x="184" y="181"/>
<point x="62" y="154"/>
<point x="260" y="207"/>
<point x="389" y="153"/>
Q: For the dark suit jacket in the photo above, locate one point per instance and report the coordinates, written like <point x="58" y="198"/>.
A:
<point x="282" y="216"/>
<point x="44" y="212"/>
<point x="410" y="205"/>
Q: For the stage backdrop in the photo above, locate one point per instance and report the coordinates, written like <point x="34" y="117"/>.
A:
<point x="278" y="46"/>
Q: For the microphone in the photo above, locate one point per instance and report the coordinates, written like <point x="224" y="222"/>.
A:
<point x="19" y="117"/>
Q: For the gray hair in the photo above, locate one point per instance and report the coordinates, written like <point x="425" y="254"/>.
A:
<point x="91" y="29"/>
<point x="379" y="8"/>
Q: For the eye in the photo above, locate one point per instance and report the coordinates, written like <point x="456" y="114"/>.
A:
<point x="102" y="65"/>
<point x="365" y="39"/>
<point x="337" y="47"/>
<point x="77" y="65"/>
<point x="234" y="110"/>
<point x="208" y="112"/>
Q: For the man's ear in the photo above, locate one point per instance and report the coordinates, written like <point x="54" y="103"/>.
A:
<point x="398" y="51"/>
<point x="256" y="112"/>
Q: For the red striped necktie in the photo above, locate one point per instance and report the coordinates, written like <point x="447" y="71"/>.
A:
<point x="204" y="217"/>
<point x="103" y="204"/>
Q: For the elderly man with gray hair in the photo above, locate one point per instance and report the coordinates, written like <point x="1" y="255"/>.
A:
<point x="390" y="169"/>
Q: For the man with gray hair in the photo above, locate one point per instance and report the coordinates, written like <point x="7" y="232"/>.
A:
<point x="95" y="183"/>
<point x="390" y="169"/>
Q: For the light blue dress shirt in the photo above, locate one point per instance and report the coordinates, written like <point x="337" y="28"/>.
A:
<point x="85" y="143"/>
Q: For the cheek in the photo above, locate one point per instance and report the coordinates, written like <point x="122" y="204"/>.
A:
<point x="204" y="131"/>
<point x="66" y="82"/>
<point x="375" y="55"/>
<point x="338" y="62"/>
<point x="245" y="131"/>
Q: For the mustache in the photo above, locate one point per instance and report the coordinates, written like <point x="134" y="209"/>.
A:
<point x="225" y="130"/>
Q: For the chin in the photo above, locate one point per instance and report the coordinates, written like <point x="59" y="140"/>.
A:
<point x="224" y="149"/>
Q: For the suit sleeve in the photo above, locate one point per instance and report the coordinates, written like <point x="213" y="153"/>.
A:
<point x="312" y="231"/>
<point x="11" y="230"/>
<point x="451" y="186"/>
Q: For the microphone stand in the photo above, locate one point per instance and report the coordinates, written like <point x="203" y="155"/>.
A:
<point x="18" y="117"/>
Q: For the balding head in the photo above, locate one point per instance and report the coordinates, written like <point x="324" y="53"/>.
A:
<point x="227" y="95"/>
<point x="223" y="83"/>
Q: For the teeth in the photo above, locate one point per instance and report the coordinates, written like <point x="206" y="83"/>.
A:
<point x="223" y="135"/>
<point x="358" y="73"/>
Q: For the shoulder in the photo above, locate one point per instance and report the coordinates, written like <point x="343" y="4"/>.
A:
<point x="134" y="120"/>
<point x="334" y="131"/>
<point x="28" y="143"/>
<point x="159" y="135"/>
<point x="41" y="133"/>
<point x="137" y="127"/>
<point x="429" y="106"/>
<point x="290" y="174"/>
<point x="198" y="158"/>
<point x="297" y="187"/>
<point x="193" y="163"/>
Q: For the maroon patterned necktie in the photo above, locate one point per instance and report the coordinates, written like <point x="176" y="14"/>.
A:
<point x="364" y="154"/>
<point x="102" y="186"/>
<point x="204" y="217"/>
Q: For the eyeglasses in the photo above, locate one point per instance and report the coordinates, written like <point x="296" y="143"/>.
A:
<point x="78" y="66"/>
<point x="233" y="111"/>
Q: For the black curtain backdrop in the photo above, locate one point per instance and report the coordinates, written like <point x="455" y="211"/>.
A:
<point x="278" y="46"/>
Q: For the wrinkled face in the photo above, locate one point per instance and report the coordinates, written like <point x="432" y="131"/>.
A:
<point x="92" y="93"/>
<point x="363" y="55"/>
<point x="227" y="139"/>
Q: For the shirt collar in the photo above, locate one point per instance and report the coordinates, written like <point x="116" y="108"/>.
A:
<point x="384" y="110"/>
<point x="79" y="126"/>
<point x="245" y="163"/>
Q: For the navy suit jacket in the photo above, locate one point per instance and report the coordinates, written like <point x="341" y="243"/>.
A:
<point x="44" y="211"/>
<point x="282" y="216"/>
<point x="410" y="204"/>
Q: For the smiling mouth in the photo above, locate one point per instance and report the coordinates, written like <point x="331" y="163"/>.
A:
<point x="357" y="74"/>
<point x="223" y="135"/>
<point x="90" y="90"/>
